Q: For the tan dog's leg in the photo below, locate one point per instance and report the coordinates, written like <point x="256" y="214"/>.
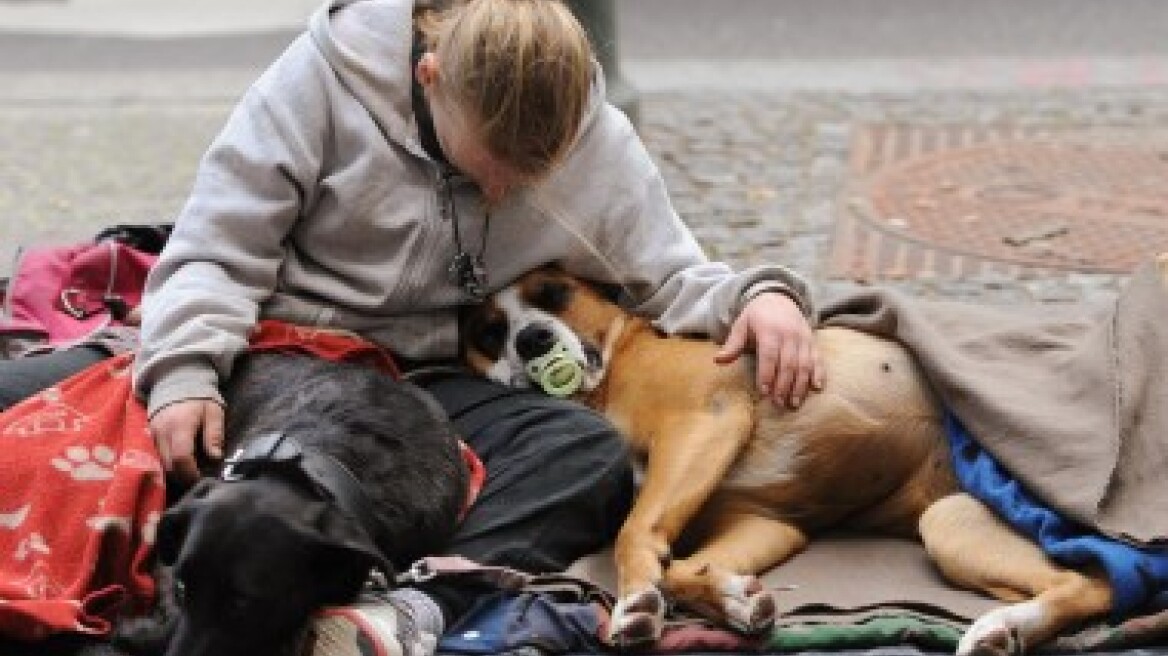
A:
<point x="975" y="549"/>
<point x="719" y="580"/>
<point x="687" y="461"/>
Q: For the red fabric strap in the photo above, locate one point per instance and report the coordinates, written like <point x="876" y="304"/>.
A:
<point x="277" y="336"/>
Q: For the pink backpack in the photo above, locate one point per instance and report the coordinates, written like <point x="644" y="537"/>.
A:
<point x="59" y="295"/>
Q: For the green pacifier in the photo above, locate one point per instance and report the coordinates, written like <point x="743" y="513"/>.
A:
<point x="556" y="372"/>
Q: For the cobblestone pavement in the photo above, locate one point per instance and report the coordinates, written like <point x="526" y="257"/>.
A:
<point x="758" y="175"/>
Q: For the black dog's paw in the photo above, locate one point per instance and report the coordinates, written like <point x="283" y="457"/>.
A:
<point x="149" y="635"/>
<point x="143" y="636"/>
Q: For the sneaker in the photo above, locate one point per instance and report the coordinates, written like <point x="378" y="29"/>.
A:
<point x="404" y="622"/>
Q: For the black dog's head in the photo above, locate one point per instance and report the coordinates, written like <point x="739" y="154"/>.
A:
<point x="543" y="308"/>
<point x="335" y="468"/>
<point x="235" y="596"/>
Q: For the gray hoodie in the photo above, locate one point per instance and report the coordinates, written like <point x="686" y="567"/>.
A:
<point x="317" y="205"/>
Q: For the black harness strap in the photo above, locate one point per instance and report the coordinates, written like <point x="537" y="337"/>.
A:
<point x="329" y="476"/>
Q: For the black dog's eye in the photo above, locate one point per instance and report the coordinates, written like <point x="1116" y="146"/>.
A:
<point x="551" y="296"/>
<point x="180" y="593"/>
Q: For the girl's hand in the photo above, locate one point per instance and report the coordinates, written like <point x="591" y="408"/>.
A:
<point x="176" y="429"/>
<point x="789" y="366"/>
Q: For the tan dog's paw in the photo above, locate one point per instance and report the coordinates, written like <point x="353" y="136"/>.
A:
<point x="999" y="641"/>
<point x="749" y="606"/>
<point x="998" y="632"/>
<point x="737" y="600"/>
<point x="638" y="619"/>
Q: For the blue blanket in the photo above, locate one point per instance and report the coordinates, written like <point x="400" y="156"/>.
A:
<point x="1137" y="574"/>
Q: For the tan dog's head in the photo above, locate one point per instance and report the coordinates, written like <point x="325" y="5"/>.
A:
<point x="526" y="319"/>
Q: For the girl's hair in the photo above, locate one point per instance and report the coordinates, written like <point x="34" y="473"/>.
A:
<point x="522" y="72"/>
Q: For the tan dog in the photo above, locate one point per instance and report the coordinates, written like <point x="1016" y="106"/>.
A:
<point x="752" y="483"/>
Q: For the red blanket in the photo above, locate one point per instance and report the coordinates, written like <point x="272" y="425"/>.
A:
<point x="83" y="488"/>
<point x="82" y="492"/>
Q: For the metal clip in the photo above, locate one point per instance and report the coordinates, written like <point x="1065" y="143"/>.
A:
<point x="419" y="572"/>
<point x="470" y="273"/>
<point x="376" y="580"/>
<point x="228" y="472"/>
<point x="67" y="305"/>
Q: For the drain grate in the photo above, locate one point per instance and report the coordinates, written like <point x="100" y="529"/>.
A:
<point x="957" y="201"/>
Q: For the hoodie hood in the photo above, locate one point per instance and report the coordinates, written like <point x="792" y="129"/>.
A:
<point x="358" y="38"/>
<point x="367" y="43"/>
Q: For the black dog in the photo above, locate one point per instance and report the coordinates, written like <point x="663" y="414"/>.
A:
<point x="337" y="469"/>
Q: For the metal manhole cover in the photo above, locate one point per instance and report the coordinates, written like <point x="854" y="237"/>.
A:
<point x="946" y="201"/>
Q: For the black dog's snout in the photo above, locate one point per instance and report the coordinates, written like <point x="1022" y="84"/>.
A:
<point x="534" y="340"/>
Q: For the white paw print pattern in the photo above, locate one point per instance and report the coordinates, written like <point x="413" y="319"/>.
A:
<point x="13" y="520"/>
<point x="143" y="461"/>
<point x="39" y="583"/>
<point x="53" y="418"/>
<point x="85" y="464"/>
<point x="34" y="543"/>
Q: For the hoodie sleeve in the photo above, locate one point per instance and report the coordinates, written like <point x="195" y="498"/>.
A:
<point x="681" y="289"/>
<point x="222" y="261"/>
<point x="649" y="250"/>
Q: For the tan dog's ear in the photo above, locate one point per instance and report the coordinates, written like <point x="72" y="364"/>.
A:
<point x="609" y="291"/>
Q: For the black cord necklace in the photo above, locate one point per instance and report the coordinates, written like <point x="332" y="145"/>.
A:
<point x="468" y="270"/>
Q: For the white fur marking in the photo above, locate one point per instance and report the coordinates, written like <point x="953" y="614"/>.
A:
<point x="510" y="368"/>
<point x="1021" y="618"/>
<point x="735" y="586"/>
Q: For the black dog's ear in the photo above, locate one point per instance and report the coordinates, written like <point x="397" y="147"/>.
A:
<point x="343" y="571"/>
<point x="176" y="521"/>
<point x="346" y="556"/>
<point x="171" y="533"/>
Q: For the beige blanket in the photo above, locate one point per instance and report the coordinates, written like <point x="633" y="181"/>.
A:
<point x="1072" y="400"/>
<point x="842" y="579"/>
